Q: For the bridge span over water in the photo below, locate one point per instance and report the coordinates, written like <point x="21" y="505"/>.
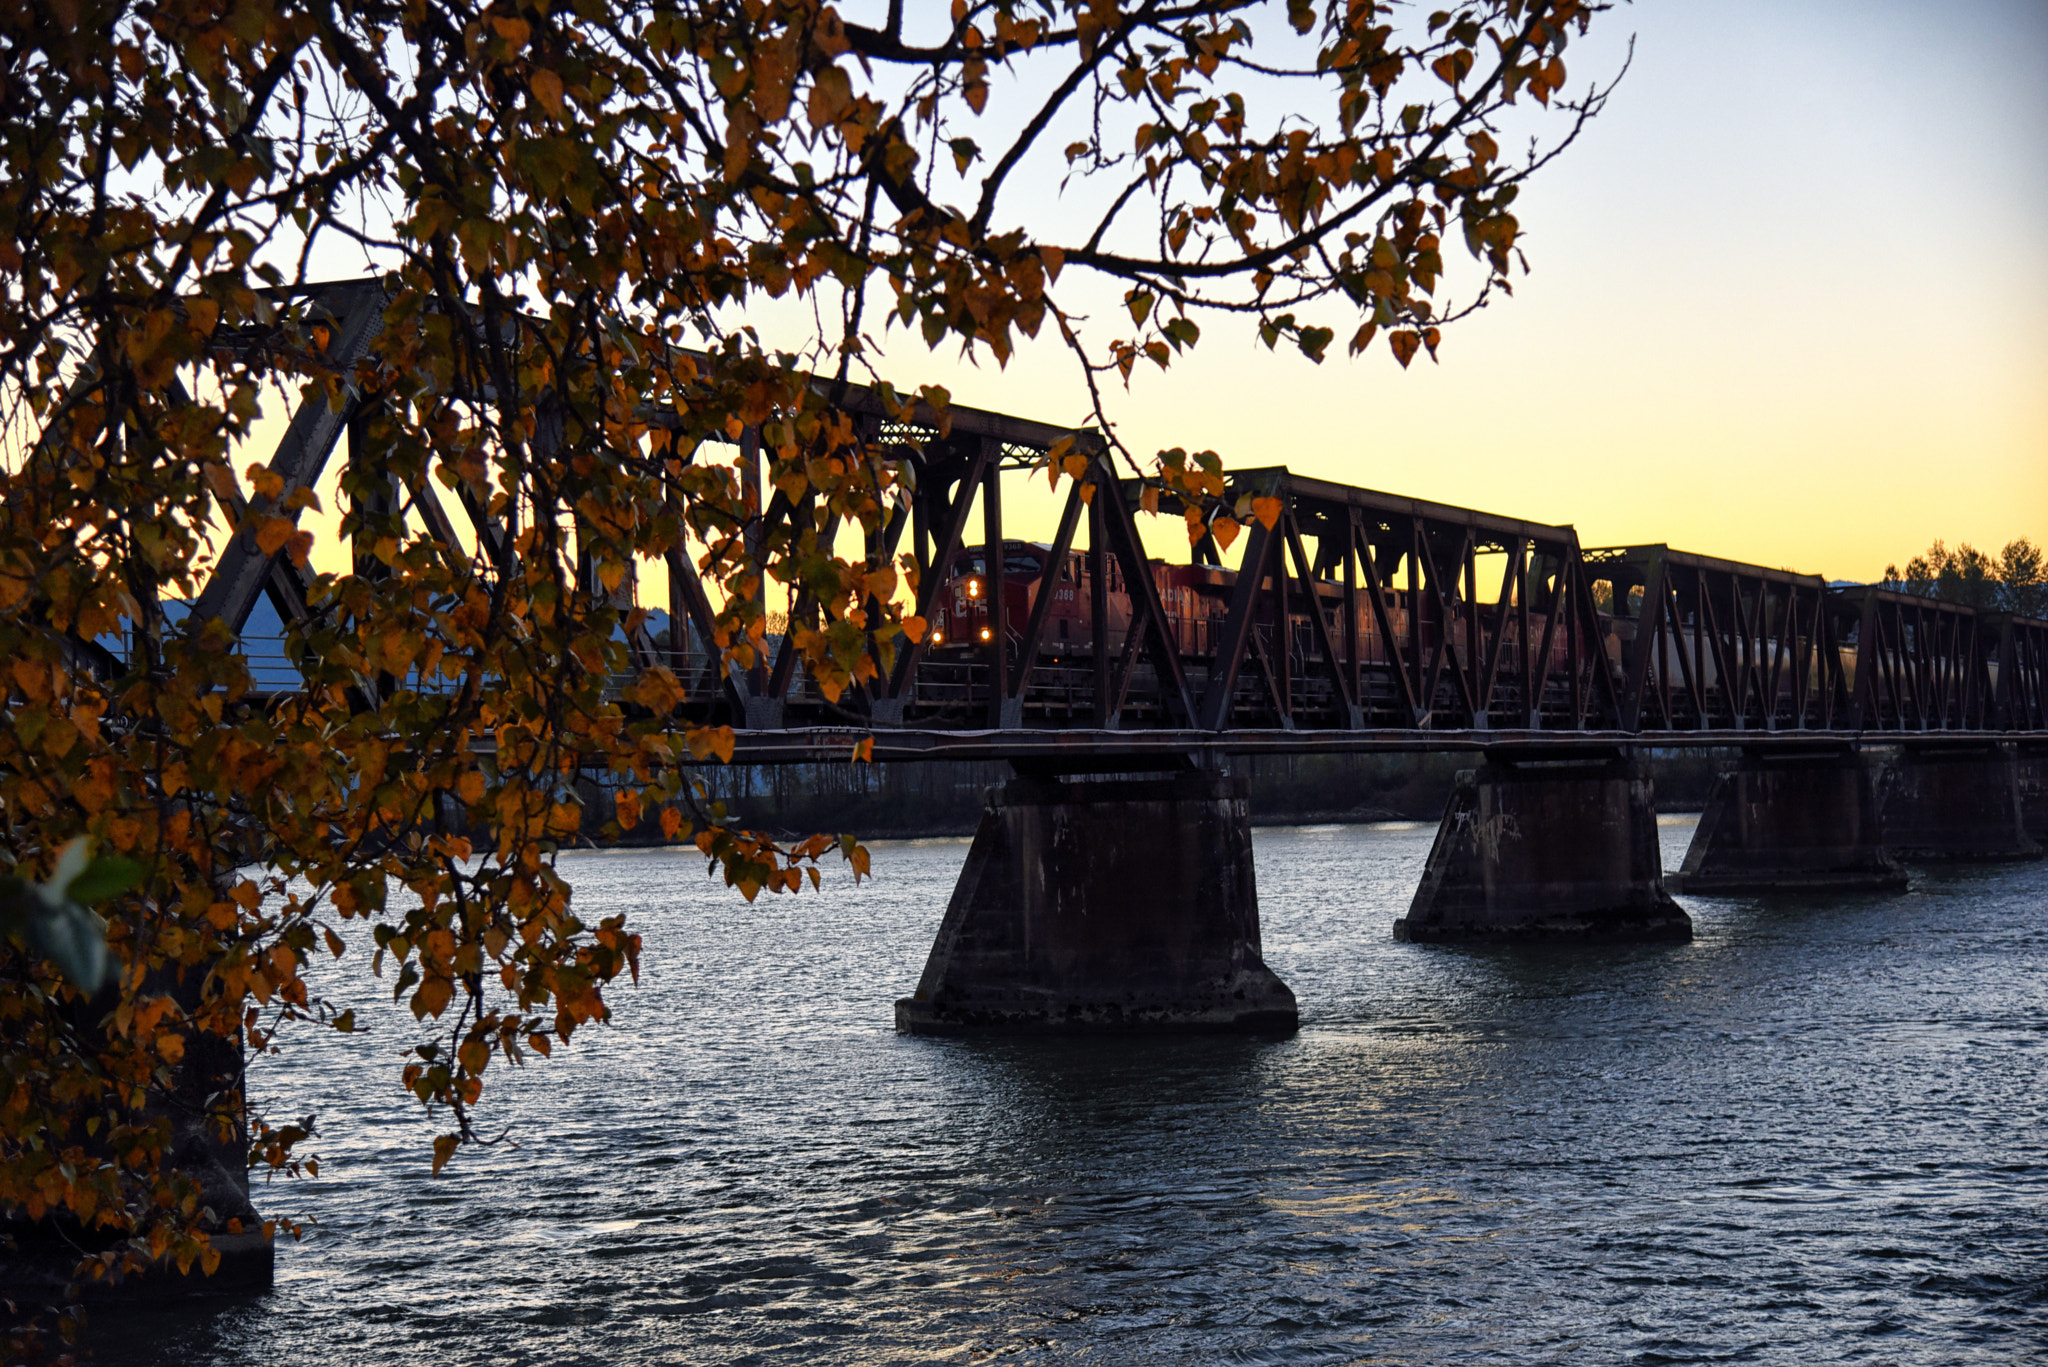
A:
<point x="1111" y="883"/>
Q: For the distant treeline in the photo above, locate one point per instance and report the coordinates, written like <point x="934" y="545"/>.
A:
<point x="2014" y="580"/>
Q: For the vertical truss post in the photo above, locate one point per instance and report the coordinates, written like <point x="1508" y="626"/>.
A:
<point x="377" y="490"/>
<point x="1649" y="630"/>
<point x="1098" y="600"/>
<point x="1424" y="697"/>
<point x="1863" y="705"/>
<point x="1355" y="680"/>
<point x="1283" y="640"/>
<point x="754" y="539"/>
<point x="1532" y="690"/>
<point x="998" y="581"/>
<point x="1472" y="665"/>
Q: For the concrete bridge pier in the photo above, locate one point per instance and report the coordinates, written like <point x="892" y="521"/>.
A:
<point x="1104" y="903"/>
<point x="2032" y="764"/>
<point x="1538" y="846"/>
<point x="1955" y="800"/>
<point x="1792" y="820"/>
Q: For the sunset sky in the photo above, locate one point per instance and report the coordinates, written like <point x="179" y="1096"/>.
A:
<point x="1788" y="305"/>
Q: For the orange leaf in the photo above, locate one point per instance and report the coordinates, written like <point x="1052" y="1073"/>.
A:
<point x="272" y="533"/>
<point x="1267" y="510"/>
<point x="547" y="88"/>
<point x="914" y="628"/>
<point x="432" y="998"/>
<point x="444" y="1149"/>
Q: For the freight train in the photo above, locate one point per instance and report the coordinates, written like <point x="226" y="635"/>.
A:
<point x="1196" y="602"/>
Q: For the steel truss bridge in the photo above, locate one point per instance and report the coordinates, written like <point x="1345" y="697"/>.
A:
<point x="1356" y="620"/>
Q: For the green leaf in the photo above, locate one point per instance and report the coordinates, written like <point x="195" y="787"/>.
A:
<point x="104" y="879"/>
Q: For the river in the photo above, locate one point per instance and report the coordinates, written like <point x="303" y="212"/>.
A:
<point x="1813" y="1135"/>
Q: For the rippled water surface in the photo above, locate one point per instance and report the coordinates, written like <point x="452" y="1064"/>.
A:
<point x="1813" y="1135"/>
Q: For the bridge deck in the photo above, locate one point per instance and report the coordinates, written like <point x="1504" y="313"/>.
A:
<point x="1087" y="749"/>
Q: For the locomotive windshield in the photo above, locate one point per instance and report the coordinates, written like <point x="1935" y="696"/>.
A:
<point x="1015" y="563"/>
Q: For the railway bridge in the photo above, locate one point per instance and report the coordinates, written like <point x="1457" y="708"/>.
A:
<point x="1111" y="883"/>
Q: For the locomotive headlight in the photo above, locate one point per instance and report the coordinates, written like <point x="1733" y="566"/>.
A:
<point x="938" y="638"/>
<point x="984" y="633"/>
<point x="974" y="588"/>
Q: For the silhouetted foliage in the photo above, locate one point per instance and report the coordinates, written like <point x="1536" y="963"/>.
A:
<point x="2015" y="580"/>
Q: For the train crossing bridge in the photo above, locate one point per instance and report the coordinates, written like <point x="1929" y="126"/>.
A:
<point x="1111" y="884"/>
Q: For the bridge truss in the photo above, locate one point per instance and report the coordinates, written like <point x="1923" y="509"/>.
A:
<point x="1354" y="619"/>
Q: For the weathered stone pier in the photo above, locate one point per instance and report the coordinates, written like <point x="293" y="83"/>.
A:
<point x="1537" y="846"/>
<point x="1104" y="904"/>
<point x="1799" y="819"/>
<point x="1949" y="799"/>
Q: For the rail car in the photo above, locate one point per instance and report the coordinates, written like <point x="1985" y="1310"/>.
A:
<point x="1196" y="599"/>
<point x="1196" y="603"/>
